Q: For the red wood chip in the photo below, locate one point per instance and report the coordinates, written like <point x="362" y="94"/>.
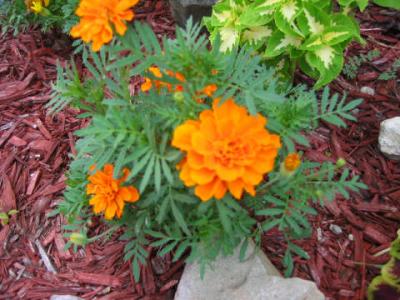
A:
<point x="60" y="244"/>
<point x="32" y="183"/>
<point x="16" y="141"/>
<point x="92" y="278"/>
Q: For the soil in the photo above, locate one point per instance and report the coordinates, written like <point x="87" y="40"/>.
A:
<point x="34" y="155"/>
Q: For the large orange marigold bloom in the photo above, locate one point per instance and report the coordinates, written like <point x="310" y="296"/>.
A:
<point x="227" y="149"/>
<point x="109" y="195"/>
<point x="97" y="17"/>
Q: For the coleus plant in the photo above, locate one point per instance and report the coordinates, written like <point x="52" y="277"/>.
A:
<point x="289" y="33"/>
<point x="387" y="284"/>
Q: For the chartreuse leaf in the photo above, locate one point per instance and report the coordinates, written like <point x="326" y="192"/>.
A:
<point x="362" y="4"/>
<point x="388" y="3"/>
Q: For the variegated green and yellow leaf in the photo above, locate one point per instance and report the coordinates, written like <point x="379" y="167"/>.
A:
<point x="326" y="54"/>
<point x="270" y="4"/>
<point x="289" y="10"/>
<point x="257" y="34"/>
<point x="223" y="16"/>
<point x="312" y="20"/>
<point x="349" y="23"/>
<point x="229" y="38"/>
<point x="251" y="18"/>
<point x="289" y="28"/>
<point x="280" y="42"/>
<point x="336" y="35"/>
<point x="329" y="63"/>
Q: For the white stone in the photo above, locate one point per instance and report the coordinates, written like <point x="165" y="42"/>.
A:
<point x="389" y="138"/>
<point x="253" y="279"/>
<point x="367" y="90"/>
<point x="64" y="297"/>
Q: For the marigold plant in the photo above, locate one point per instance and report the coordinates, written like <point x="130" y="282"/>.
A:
<point x="193" y="150"/>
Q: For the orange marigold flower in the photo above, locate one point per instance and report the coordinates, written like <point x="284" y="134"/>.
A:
<point x="96" y="17"/>
<point x="292" y="162"/>
<point x="227" y="149"/>
<point x="156" y="72"/>
<point x="109" y="195"/>
<point x="210" y="89"/>
<point x="180" y="77"/>
<point x="146" y="85"/>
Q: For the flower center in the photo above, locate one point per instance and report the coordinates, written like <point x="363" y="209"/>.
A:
<point x="230" y="153"/>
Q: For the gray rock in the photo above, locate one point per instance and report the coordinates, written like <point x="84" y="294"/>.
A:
<point x="389" y="138"/>
<point x="182" y="10"/>
<point x="336" y="229"/>
<point x="64" y="297"/>
<point x="255" y="278"/>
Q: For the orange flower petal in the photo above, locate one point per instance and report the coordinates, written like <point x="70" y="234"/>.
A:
<point x="215" y="188"/>
<point x="182" y="135"/>
<point x="202" y="176"/>
<point x="110" y="211"/>
<point x="236" y="188"/>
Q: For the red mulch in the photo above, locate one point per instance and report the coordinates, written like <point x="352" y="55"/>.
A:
<point x="34" y="151"/>
<point x="343" y="264"/>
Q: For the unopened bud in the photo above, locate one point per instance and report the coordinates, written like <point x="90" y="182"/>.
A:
<point x="341" y="162"/>
<point x="78" y="238"/>
<point x="319" y="194"/>
<point x="179" y="97"/>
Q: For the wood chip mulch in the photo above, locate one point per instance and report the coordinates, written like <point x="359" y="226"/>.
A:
<point x="34" y="149"/>
<point x="349" y="233"/>
<point x="34" y="154"/>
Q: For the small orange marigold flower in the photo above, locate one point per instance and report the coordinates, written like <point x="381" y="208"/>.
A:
<point x="227" y="149"/>
<point x="156" y="72"/>
<point x="146" y="85"/>
<point x="210" y="89"/>
<point x="96" y="17"/>
<point x="292" y="162"/>
<point x="109" y="195"/>
<point x="180" y="77"/>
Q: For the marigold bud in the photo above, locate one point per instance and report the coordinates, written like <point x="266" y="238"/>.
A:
<point x="341" y="162"/>
<point x="290" y="164"/>
<point x="179" y="97"/>
<point x="78" y="238"/>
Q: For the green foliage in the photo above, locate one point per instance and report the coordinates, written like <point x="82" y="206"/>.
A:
<point x="308" y="34"/>
<point x="387" y="285"/>
<point x="361" y="4"/>
<point x="134" y="129"/>
<point x="350" y="69"/>
<point x="388" y="3"/>
<point x="16" y="17"/>
<point x="5" y="216"/>
<point x="392" y="72"/>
